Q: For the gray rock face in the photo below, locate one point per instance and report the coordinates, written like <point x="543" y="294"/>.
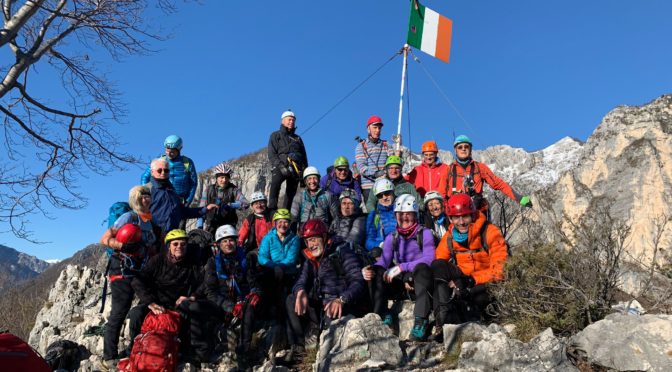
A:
<point x="16" y="267"/>
<point x="349" y="343"/>
<point x="627" y="342"/>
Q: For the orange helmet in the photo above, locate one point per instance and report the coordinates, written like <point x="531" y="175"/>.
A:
<point x="430" y="146"/>
<point x="460" y="205"/>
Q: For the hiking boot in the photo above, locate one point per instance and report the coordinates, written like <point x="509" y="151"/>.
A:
<point x="419" y="331"/>
<point x="294" y="352"/>
<point x="108" y="364"/>
<point x="437" y="334"/>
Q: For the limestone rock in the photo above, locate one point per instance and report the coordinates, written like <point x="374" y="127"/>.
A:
<point x="627" y="342"/>
<point x="349" y="343"/>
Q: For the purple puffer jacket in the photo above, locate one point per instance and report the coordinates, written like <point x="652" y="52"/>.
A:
<point x="409" y="253"/>
<point x="336" y="186"/>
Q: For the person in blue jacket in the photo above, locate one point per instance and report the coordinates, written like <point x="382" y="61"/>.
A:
<point x="183" y="173"/>
<point x="381" y="220"/>
<point x="167" y="209"/>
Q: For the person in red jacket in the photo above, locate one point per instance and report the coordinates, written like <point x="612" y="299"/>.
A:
<point x="467" y="176"/>
<point x="256" y="225"/>
<point x="471" y="253"/>
<point x="431" y="174"/>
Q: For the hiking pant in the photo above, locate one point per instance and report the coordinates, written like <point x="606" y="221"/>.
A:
<point x="365" y="197"/>
<point x="453" y="307"/>
<point x="136" y="317"/>
<point x="122" y="297"/>
<point x="198" y="315"/>
<point x="314" y="316"/>
<point x="291" y="185"/>
<point x="421" y="280"/>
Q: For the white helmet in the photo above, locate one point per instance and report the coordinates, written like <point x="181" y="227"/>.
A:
<point x="311" y="171"/>
<point x="257" y="196"/>
<point x="433" y="195"/>
<point x="225" y="231"/>
<point x="287" y="113"/>
<point x="405" y="203"/>
<point x="223" y="168"/>
<point x="382" y="185"/>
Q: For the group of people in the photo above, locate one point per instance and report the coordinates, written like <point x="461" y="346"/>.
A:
<point x="347" y="242"/>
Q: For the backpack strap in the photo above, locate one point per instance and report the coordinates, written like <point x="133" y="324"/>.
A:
<point x="484" y="241"/>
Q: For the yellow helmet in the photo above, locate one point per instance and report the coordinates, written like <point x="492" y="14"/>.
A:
<point x="175" y="234"/>
<point x="281" y="214"/>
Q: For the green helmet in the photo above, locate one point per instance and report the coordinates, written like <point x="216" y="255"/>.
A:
<point x="281" y="214"/>
<point x="393" y="159"/>
<point x="462" y="139"/>
<point x="341" y="161"/>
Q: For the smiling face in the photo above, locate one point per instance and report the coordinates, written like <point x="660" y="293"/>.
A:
<point x="374" y="131"/>
<point x="282" y="226"/>
<point x="435" y="207"/>
<point x="393" y="171"/>
<point x="228" y="245"/>
<point x="429" y="157"/>
<point x="312" y="183"/>
<point x="172" y="153"/>
<point x="347" y="207"/>
<point x="259" y="206"/>
<point x="406" y="219"/>
<point x="145" y="201"/>
<point x="385" y="198"/>
<point x="288" y="122"/>
<point x="462" y="223"/>
<point x="223" y="179"/>
<point x="178" y="248"/>
<point x="160" y="170"/>
<point x="463" y="151"/>
<point x="341" y="173"/>
<point x="315" y="245"/>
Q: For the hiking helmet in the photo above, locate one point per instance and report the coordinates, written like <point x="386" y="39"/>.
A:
<point x="430" y="146"/>
<point x="225" y="231"/>
<point x="462" y="139"/>
<point x="257" y="196"/>
<point x="374" y="119"/>
<point x="382" y="185"/>
<point x="405" y="203"/>
<point x="129" y="233"/>
<point x="287" y="113"/>
<point x="350" y="194"/>
<point x="433" y="195"/>
<point x="175" y="234"/>
<point x="173" y="142"/>
<point x="341" y="161"/>
<point x="393" y="159"/>
<point x="314" y="227"/>
<point x="460" y="205"/>
<point x="311" y="171"/>
<point x="282" y="214"/>
<point x="222" y="169"/>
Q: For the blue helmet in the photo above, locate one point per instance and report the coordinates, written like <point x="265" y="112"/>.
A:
<point x="462" y="139"/>
<point x="173" y="142"/>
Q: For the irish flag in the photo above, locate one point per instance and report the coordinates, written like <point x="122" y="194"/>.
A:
<point x="429" y="31"/>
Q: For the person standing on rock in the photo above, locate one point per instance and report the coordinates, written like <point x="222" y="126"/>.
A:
<point x="288" y="159"/>
<point x="125" y="262"/>
<point x="404" y="266"/>
<point x="329" y="284"/>
<point x="340" y="178"/>
<point x="431" y="174"/>
<point x="471" y="254"/>
<point x="370" y="155"/>
<point x="226" y="196"/>
<point x="466" y="176"/>
<point x="313" y="201"/>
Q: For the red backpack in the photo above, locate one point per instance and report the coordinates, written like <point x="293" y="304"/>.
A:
<point x="155" y="349"/>
<point x="16" y="355"/>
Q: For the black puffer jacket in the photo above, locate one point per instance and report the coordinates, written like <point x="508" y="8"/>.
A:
<point x="163" y="282"/>
<point x="351" y="228"/>
<point x="220" y="287"/>
<point x="281" y="144"/>
<point x="337" y="273"/>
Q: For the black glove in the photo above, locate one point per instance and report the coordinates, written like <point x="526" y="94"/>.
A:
<point x="375" y="253"/>
<point x="463" y="286"/>
<point x="131" y="247"/>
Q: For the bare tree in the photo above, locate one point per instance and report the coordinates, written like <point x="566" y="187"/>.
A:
<point x="50" y="142"/>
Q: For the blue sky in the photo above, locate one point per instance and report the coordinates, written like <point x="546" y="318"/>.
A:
<point x="523" y="73"/>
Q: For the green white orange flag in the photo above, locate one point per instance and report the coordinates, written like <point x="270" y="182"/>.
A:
<point x="429" y="31"/>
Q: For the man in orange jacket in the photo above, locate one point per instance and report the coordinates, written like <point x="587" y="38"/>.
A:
<point x="467" y="176"/>
<point x="471" y="253"/>
<point x="431" y="174"/>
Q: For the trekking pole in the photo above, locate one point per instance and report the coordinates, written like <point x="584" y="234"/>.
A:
<point x="401" y="95"/>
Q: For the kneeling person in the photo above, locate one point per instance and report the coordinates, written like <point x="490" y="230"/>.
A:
<point x="329" y="283"/>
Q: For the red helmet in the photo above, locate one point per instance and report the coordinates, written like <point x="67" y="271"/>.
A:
<point x="129" y="233"/>
<point x="313" y="228"/>
<point x="374" y="119"/>
<point x="460" y="204"/>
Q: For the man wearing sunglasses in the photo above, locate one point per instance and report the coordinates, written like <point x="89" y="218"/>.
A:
<point x="466" y="176"/>
<point x="340" y="178"/>
<point x="393" y="169"/>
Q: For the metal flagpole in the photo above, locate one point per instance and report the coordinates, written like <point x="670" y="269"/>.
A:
<point x="401" y="96"/>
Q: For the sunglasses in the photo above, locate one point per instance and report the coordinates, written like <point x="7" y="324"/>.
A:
<point x="341" y="169"/>
<point x="162" y="170"/>
<point x="383" y="194"/>
<point x="463" y="147"/>
<point x="178" y="244"/>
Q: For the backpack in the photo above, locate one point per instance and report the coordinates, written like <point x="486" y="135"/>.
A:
<point x="17" y="355"/>
<point x="484" y="243"/>
<point x="63" y="355"/>
<point x="199" y="246"/>
<point x="157" y="346"/>
<point x="395" y="240"/>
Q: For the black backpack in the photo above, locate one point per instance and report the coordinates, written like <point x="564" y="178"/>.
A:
<point x="199" y="246"/>
<point x="64" y="355"/>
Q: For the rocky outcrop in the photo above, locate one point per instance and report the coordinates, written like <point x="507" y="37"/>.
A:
<point x="16" y="267"/>
<point x="627" y="343"/>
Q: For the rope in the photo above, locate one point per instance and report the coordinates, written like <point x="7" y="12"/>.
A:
<point x="351" y="92"/>
<point x="445" y="96"/>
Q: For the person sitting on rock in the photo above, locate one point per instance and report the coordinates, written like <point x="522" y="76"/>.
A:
<point x="434" y="216"/>
<point x="313" y="202"/>
<point x="350" y="223"/>
<point x="232" y="287"/>
<point x="472" y="253"/>
<point x="171" y="281"/>
<point x="381" y="221"/>
<point x="329" y="284"/>
<point x="393" y="167"/>
<point x="125" y="262"/>
<point x="404" y="266"/>
<point x="256" y="225"/>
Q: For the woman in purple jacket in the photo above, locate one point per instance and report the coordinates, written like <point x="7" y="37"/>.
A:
<point x="405" y="266"/>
